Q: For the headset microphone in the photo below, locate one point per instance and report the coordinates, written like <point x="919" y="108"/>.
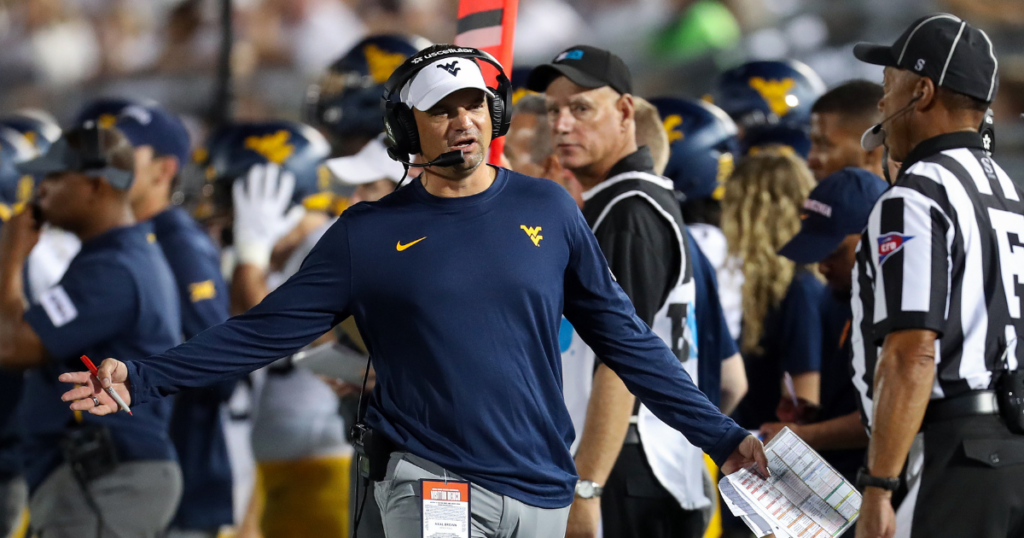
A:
<point x="451" y="158"/>
<point x="875" y="136"/>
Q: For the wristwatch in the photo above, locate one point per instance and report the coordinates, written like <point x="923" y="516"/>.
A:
<point x="588" y="489"/>
<point x="865" y="479"/>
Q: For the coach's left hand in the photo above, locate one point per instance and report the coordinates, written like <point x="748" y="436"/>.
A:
<point x="750" y="451"/>
<point x="584" y="518"/>
<point x="877" y="518"/>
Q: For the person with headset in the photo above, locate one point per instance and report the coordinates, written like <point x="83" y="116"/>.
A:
<point x="936" y="301"/>
<point x="345" y="106"/>
<point x="116" y="297"/>
<point x="473" y="266"/>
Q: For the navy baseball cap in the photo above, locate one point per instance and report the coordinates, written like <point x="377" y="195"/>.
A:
<point x="944" y="48"/>
<point x="152" y="125"/>
<point x="88" y="158"/>
<point x="586" y="66"/>
<point x="839" y="206"/>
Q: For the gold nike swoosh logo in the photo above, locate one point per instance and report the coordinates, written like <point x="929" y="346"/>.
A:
<point x="400" y="247"/>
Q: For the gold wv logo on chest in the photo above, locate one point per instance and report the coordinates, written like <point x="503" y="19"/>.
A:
<point x="534" y="233"/>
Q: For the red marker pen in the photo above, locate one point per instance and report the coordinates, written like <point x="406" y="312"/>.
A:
<point x="110" y="390"/>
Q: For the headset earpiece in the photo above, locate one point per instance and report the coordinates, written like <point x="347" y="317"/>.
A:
<point x="497" y="115"/>
<point x="407" y="126"/>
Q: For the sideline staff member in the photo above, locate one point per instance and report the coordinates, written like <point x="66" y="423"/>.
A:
<point x="936" y="286"/>
<point x="636" y="220"/>
<point x="162" y="147"/>
<point x="117" y="297"/>
<point x="832" y="220"/>
<point x="838" y="119"/>
<point x="472" y="389"/>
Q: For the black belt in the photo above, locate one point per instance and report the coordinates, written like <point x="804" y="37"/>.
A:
<point x="982" y="402"/>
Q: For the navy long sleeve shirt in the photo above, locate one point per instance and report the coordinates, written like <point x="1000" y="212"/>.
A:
<point x="459" y="301"/>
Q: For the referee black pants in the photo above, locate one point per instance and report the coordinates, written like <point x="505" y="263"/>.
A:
<point x="966" y="480"/>
<point x="635" y="505"/>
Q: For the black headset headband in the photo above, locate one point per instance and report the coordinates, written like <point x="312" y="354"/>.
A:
<point x="415" y="63"/>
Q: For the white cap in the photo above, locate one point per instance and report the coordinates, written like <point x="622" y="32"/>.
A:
<point x="370" y="164"/>
<point x="441" y="78"/>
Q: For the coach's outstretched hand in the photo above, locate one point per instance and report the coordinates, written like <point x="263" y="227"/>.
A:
<point x="112" y="373"/>
<point x="750" y="451"/>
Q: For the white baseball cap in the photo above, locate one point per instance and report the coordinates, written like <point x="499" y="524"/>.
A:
<point x="440" y="79"/>
<point x="370" y="164"/>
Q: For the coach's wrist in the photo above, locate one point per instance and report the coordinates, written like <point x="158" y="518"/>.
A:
<point x="871" y="492"/>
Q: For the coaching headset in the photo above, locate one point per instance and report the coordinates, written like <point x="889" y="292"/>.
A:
<point x="400" y="125"/>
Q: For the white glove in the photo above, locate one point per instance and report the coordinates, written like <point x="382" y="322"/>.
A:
<point x="262" y="216"/>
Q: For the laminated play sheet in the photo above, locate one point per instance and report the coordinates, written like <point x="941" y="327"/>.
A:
<point x="804" y="497"/>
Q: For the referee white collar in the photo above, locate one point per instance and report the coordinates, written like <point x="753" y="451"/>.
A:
<point x="940" y="143"/>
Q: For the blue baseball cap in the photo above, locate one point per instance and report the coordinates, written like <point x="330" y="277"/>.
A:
<point x="839" y="206"/>
<point x="152" y="125"/>
<point x="88" y="158"/>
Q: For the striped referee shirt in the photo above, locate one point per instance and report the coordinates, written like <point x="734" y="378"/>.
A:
<point x="943" y="251"/>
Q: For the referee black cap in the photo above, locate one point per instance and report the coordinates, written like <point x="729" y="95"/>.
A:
<point x="586" y="66"/>
<point x="944" y="48"/>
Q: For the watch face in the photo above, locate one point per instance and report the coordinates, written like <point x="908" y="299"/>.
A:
<point x="585" y="489"/>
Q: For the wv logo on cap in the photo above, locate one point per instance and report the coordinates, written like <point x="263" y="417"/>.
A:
<point x="890" y="244"/>
<point x="452" y="68"/>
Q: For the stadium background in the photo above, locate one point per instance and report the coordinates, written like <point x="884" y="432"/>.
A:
<point x="56" y="54"/>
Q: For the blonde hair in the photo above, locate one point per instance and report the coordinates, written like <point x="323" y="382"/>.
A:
<point x="651" y="133"/>
<point x="760" y="213"/>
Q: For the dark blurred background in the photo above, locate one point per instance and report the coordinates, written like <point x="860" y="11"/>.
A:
<point x="55" y="54"/>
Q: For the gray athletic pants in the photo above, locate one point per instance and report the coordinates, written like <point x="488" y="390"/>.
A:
<point x="137" y="500"/>
<point x="493" y="515"/>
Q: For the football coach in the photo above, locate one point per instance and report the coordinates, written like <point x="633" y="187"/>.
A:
<point x="457" y="283"/>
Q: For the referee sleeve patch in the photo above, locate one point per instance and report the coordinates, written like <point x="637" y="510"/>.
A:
<point x="889" y="244"/>
<point x="58" y="306"/>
